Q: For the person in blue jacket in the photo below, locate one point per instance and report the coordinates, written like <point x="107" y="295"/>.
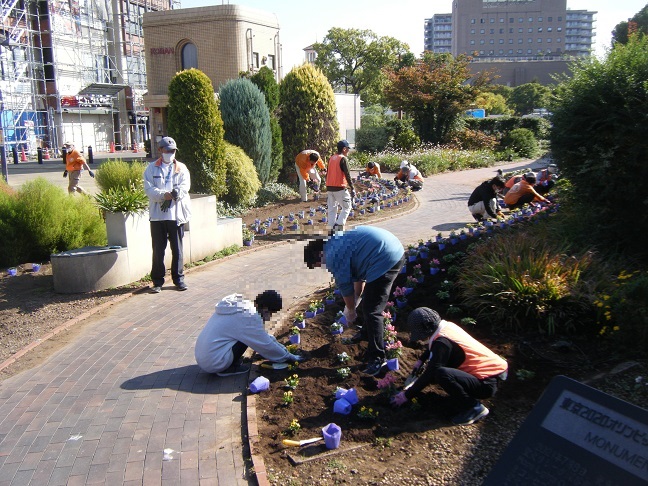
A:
<point x="365" y="262"/>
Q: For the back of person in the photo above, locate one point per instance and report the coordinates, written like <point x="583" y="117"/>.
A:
<point x="335" y="176"/>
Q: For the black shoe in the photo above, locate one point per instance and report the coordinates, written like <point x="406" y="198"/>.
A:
<point x="375" y="367"/>
<point x="478" y="217"/>
<point x="237" y="369"/>
<point x="156" y="289"/>
<point x="471" y="415"/>
<point x="181" y="286"/>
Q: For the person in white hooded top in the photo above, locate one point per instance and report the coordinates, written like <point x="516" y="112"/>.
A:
<point x="236" y="325"/>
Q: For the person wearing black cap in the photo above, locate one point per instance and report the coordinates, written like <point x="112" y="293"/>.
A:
<point x="466" y="369"/>
<point x="482" y="203"/>
<point x="236" y="325"/>
<point x="166" y="184"/>
<point x="339" y="187"/>
<point x="372" y="169"/>
<point x="523" y="193"/>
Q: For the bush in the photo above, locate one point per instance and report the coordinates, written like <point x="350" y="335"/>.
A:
<point x="196" y="125"/>
<point x="129" y="200"/>
<point x="308" y="115"/>
<point x="519" y="282"/>
<point x="371" y="138"/>
<point x="522" y="142"/>
<point x="468" y="139"/>
<point x="242" y="180"/>
<point x="119" y="174"/>
<point x="266" y="82"/>
<point x="41" y="219"/>
<point x="273" y="193"/>
<point x="246" y="120"/>
<point x="402" y="134"/>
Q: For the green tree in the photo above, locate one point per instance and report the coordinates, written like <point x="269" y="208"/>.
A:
<point x="266" y="82"/>
<point x="526" y="97"/>
<point x="494" y="104"/>
<point x="435" y="92"/>
<point x="308" y="114"/>
<point x="247" y="122"/>
<point x="353" y="60"/>
<point x="242" y="180"/>
<point x="599" y="141"/>
<point x="196" y="125"/>
<point x="637" y="24"/>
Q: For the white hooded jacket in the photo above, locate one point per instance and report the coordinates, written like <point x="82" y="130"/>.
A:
<point x="235" y="319"/>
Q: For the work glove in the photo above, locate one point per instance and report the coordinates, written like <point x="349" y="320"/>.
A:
<point x="417" y="366"/>
<point x="294" y="358"/>
<point x="91" y="174"/>
<point x="398" y="400"/>
<point x="350" y="315"/>
<point x="174" y="194"/>
<point x="165" y="205"/>
<point x="65" y="173"/>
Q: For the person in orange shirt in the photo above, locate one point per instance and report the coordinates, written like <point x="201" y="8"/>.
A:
<point x="306" y="163"/>
<point x="74" y="164"/>
<point x="466" y="369"/>
<point x="339" y="187"/>
<point x="523" y="193"/>
<point x="373" y="169"/>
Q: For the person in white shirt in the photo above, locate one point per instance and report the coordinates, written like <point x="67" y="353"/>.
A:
<point x="236" y="325"/>
<point x="167" y="183"/>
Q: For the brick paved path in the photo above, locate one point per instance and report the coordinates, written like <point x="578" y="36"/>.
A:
<point x="126" y="404"/>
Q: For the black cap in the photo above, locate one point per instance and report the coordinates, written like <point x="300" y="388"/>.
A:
<point x="422" y="323"/>
<point x="342" y="144"/>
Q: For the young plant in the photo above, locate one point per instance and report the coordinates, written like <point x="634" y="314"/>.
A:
<point x="411" y="282"/>
<point x="299" y="317"/>
<point x="343" y="357"/>
<point x="292" y="381"/>
<point x="336" y="327"/>
<point x="387" y="384"/>
<point x="292" y="348"/>
<point x="394" y="349"/>
<point x="368" y="413"/>
<point x="294" y="330"/>
<point x="294" y="427"/>
<point x="344" y="372"/>
<point x="287" y="398"/>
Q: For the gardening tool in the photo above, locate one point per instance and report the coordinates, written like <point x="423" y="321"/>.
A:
<point x="299" y="443"/>
<point x="409" y="381"/>
<point x="275" y="366"/>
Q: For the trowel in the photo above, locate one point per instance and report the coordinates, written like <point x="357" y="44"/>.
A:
<point x="299" y="443"/>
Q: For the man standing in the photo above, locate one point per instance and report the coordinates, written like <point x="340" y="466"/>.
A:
<point x="482" y="203"/>
<point x="307" y="162"/>
<point x="339" y="187"/>
<point x="466" y="369"/>
<point x="365" y="262"/>
<point x="167" y="184"/>
<point x="74" y="164"/>
<point x="236" y="325"/>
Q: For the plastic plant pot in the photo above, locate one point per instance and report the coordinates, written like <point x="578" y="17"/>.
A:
<point x="339" y="393"/>
<point x="441" y="246"/>
<point x="332" y="435"/>
<point x="12" y="272"/>
<point x="300" y="324"/>
<point x="434" y="270"/>
<point x="424" y="255"/>
<point x="342" y="320"/>
<point x="329" y="301"/>
<point x="35" y="267"/>
<point x="309" y="314"/>
<point x="341" y="406"/>
<point x="351" y="396"/>
<point x="392" y="364"/>
<point x="261" y="383"/>
<point x="400" y="303"/>
<point x="295" y="338"/>
<point x="403" y="269"/>
<point x="247" y="242"/>
<point x="409" y="290"/>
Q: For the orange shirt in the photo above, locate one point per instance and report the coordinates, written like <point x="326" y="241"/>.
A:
<point x="74" y="161"/>
<point x="375" y="171"/>
<point x="303" y="162"/>
<point x="520" y="189"/>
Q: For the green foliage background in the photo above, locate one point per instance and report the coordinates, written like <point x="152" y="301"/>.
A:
<point x="196" y="125"/>
<point x="242" y="180"/>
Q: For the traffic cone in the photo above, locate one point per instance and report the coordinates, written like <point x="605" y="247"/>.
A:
<point x="23" y="156"/>
<point x="46" y="155"/>
<point x="112" y="147"/>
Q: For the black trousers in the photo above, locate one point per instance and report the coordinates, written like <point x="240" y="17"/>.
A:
<point x="374" y="300"/>
<point x="527" y="198"/>
<point x="161" y="232"/>
<point x="463" y="387"/>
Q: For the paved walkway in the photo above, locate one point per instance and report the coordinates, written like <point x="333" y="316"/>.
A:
<point x="126" y="404"/>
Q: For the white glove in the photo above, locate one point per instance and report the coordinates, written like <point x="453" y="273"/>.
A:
<point x="350" y="315"/>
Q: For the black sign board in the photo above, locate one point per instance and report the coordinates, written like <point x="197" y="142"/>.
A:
<point x="577" y="436"/>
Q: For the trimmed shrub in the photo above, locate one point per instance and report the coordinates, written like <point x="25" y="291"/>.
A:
<point x="41" y="219"/>
<point x="247" y="122"/>
<point x="402" y="134"/>
<point x="522" y="141"/>
<point x="266" y="82"/>
<point x="196" y="125"/>
<point x="518" y="282"/>
<point x="116" y="174"/>
<point x="371" y="138"/>
<point x="308" y="115"/>
<point x="277" y="149"/>
<point x="242" y="180"/>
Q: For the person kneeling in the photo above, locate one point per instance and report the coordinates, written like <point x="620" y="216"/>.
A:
<point x="466" y="369"/>
<point x="236" y="325"/>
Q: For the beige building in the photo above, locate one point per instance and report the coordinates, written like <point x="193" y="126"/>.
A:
<point x="220" y="40"/>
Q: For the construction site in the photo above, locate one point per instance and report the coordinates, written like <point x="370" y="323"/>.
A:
<point x="73" y="70"/>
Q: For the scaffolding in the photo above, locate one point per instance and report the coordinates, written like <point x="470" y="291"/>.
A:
<point x="73" y="70"/>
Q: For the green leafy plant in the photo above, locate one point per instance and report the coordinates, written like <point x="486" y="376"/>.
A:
<point x="294" y="427"/>
<point x="368" y="413"/>
<point x="128" y="200"/>
<point x="292" y="381"/>
<point x="248" y="235"/>
<point x="288" y="398"/>
<point x="343" y="372"/>
<point x="294" y="330"/>
<point x="343" y="357"/>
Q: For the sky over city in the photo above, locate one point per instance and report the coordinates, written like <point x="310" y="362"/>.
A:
<point x="303" y="22"/>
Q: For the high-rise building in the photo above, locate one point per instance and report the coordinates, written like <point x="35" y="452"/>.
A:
<point x="523" y="40"/>
<point x="73" y="70"/>
<point x="438" y="33"/>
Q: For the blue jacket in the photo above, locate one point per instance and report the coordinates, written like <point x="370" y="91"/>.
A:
<point x="361" y="254"/>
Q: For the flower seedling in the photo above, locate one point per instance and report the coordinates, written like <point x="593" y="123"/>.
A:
<point x="411" y="282"/>
<point x="368" y="413"/>
<point x="292" y="348"/>
<point x="294" y="427"/>
<point x="415" y="404"/>
<point x="343" y="357"/>
<point x="294" y="330"/>
<point x="288" y="398"/>
<point x="292" y="381"/>
<point x="336" y="328"/>
<point x="313" y="306"/>
<point x="399" y="292"/>
<point x="394" y="349"/>
<point x="344" y="372"/>
<point x="387" y="384"/>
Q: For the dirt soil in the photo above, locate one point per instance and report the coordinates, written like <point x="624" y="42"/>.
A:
<point x="414" y="444"/>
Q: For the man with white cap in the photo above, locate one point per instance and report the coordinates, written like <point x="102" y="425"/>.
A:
<point x="167" y="183"/>
<point x="546" y="178"/>
<point x="409" y="176"/>
<point x="466" y="369"/>
<point x="74" y="164"/>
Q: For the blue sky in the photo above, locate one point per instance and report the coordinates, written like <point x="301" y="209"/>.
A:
<point x="303" y="22"/>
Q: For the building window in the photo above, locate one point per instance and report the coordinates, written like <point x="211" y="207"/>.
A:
<point x="520" y="41"/>
<point x="558" y="39"/>
<point x="472" y="42"/>
<point x="491" y="41"/>
<point x="520" y="51"/>
<point x="559" y="19"/>
<point x="472" y="21"/>
<point x="549" y="29"/>
<point x="482" y="31"/>
<point x="529" y="51"/>
<point x="481" y="53"/>
<point x="511" y="20"/>
<point x="472" y="31"/>
<point x="510" y="51"/>
<point x="510" y="41"/>
<point x="520" y="30"/>
<point x="189" y="56"/>
<point x="520" y="20"/>
<point x="271" y="62"/>
<point x="482" y="42"/>
<point x="492" y="20"/>
<point x="255" y="60"/>
<point x="539" y="19"/>
<point x="558" y="29"/>
<point x="501" y="41"/>
<point x="530" y="40"/>
<point x="511" y="30"/>
<point x="501" y="51"/>
<point x="549" y="19"/>
<point x="501" y="31"/>
<point x="539" y="40"/>
<point x="539" y="29"/>
<point x="501" y="21"/>
<point x="549" y="40"/>
<point x="530" y="20"/>
<point x="492" y="31"/>
<point x="481" y="21"/>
